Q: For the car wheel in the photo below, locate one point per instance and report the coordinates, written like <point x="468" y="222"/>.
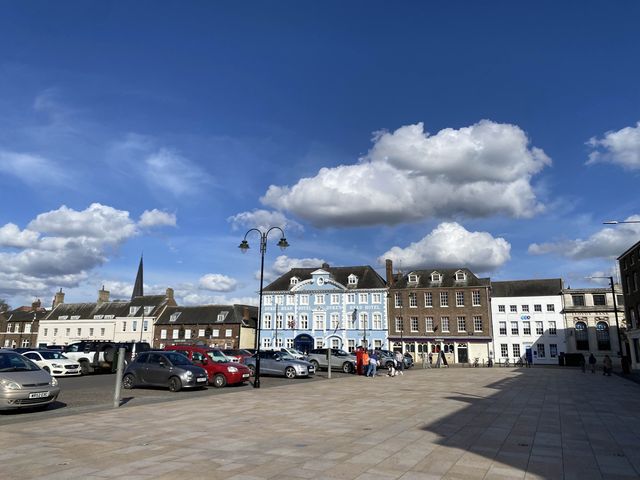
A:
<point x="315" y="364"/>
<point x="290" y="372"/>
<point x="219" y="381"/>
<point x="252" y="370"/>
<point x="84" y="368"/>
<point x="128" y="381"/>
<point x="109" y="353"/>
<point x="47" y="369"/>
<point x="346" y="367"/>
<point x="175" y="385"/>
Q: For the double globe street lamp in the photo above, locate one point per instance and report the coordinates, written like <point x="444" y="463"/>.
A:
<point x="244" y="246"/>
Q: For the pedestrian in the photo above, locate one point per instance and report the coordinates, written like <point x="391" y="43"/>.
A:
<point x="444" y="359"/>
<point x="365" y="362"/>
<point x="392" y="367"/>
<point x="400" y="363"/>
<point x="583" y="363"/>
<point x="607" y="365"/>
<point x="373" y="364"/>
<point x="592" y="363"/>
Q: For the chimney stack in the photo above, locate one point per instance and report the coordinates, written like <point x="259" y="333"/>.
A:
<point x="169" y="296"/>
<point x="58" y="299"/>
<point x="389" y="269"/>
<point x="103" y="295"/>
<point x="35" y="306"/>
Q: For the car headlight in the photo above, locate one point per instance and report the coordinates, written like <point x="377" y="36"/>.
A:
<point x="232" y="369"/>
<point x="56" y="365"/>
<point x="53" y="382"/>
<point x="9" y="384"/>
<point x="189" y="374"/>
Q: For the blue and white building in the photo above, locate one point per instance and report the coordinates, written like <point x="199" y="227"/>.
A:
<point x="339" y="307"/>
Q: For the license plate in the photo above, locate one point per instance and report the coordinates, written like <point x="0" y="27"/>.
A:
<point x="245" y="375"/>
<point x="38" y="394"/>
<point x="201" y="379"/>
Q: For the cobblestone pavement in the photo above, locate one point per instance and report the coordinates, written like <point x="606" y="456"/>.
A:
<point x="471" y="423"/>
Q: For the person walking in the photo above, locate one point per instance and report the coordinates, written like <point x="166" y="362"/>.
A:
<point x="583" y="363"/>
<point x="400" y="363"/>
<point x="392" y="367"/>
<point x="592" y="363"/>
<point x="365" y="362"/>
<point x="373" y="364"/>
<point x="607" y="365"/>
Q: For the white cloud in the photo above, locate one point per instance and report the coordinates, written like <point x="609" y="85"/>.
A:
<point x="195" y="298"/>
<point x="217" y="283"/>
<point x="263" y="220"/>
<point x="283" y="264"/>
<point x="12" y="236"/>
<point x="451" y="245"/>
<point x="169" y="171"/>
<point x="156" y="218"/>
<point x="620" y="148"/>
<point x="408" y="175"/>
<point x="606" y="243"/>
<point x="29" y="168"/>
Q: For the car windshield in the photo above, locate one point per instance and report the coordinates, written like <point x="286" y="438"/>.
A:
<point x="286" y="355"/>
<point x="177" y="359"/>
<point x="52" y="355"/>
<point x="12" y="362"/>
<point x="217" y="356"/>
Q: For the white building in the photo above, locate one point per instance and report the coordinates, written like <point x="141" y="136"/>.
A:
<point x="527" y="321"/>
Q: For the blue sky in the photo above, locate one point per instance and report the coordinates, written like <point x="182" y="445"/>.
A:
<point x="492" y="135"/>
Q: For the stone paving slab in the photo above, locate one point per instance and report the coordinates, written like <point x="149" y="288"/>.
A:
<point x="474" y="423"/>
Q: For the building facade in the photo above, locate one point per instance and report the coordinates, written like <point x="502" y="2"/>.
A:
<point x="222" y="326"/>
<point x="440" y="310"/>
<point x="629" y="264"/>
<point x="527" y="321"/>
<point x="19" y="327"/>
<point x="592" y="322"/>
<point x="339" y="307"/>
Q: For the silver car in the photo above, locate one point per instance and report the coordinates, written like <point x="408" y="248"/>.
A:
<point x="280" y="363"/>
<point x="23" y="384"/>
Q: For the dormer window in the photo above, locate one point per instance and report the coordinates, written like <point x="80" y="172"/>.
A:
<point x="148" y="310"/>
<point x="436" y="277"/>
<point x="413" y="278"/>
<point x="63" y="317"/>
<point x="294" y="281"/>
<point x="174" y="316"/>
<point x="133" y="311"/>
<point x="353" y="280"/>
<point x="222" y="316"/>
<point x="460" y="276"/>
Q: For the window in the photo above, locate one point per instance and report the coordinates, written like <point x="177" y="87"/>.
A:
<point x="501" y="308"/>
<point x="459" y="299"/>
<point x="514" y="328"/>
<point x="335" y="321"/>
<point x="352" y="345"/>
<point x="304" y="321"/>
<point x="215" y="332"/>
<point x="582" y="336"/>
<point x="91" y="332"/>
<point x="279" y="299"/>
<point x="513" y="308"/>
<point x="537" y="308"/>
<point x="414" y="324"/>
<point x="319" y="342"/>
<point x="187" y="334"/>
<point x="504" y="350"/>
<point x="79" y="332"/>
<point x="175" y="333"/>
<point x="429" y="324"/>
<point x="145" y="325"/>
<point x="552" y="328"/>
<point x="304" y="299"/>
<point x="174" y="316"/>
<point x="524" y="308"/>
<point x="267" y="300"/>
<point x="353" y="280"/>
<point x="319" y="299"/>
<point x="124" y="326"/>
<point x="291" y="323"/>
<point x="516" y="350"/>
<point x="351" y="320"/>
<point x="413" y="278"/>
<point x="293" y="281"/>
<point x="55" y="332"/>
<point x="578" y="300"/>
<point x="413" y="300"/>
<point x="46" y="332"/>
<point x="475" y="298"/>
<point x="148" y="310"/>
<point x="318" y="321"/>
<point x="539" y="328"/>
<point x="228" y="332"/>
<point x="428" y="299"/>
<point x="266" y="342"/>
<point x="201" y="332"/>
<point x="551" y="307"/>
<point x="398" y="299"/>
<point x="134" y="326"/>
<point x="363" y="298"/>
<point x="102" y="331"/>
<point x="462" y="324"/>
<point x="444" y="321"/>
<point x="599" y="299"/>
<point x="436" y="277"/>
<point x="502" y="328"/>
<point x="279" y="321"/>
<point x="460" y="276"/>
<point x="477" y="324"/>
<point x="444" y="299"/>
<point x="289" y="342"/>
<point x="553" y="350"/>
<point x="399" y="324"/>
<point x="541" y="353"/>
<point x="266" y="322"/>
<point x="526" y="328"/>
<point x="351" y="298"/>
<point x="291" y="300"/>
<point x="133" y="311"/>
<point x="377" y="321"/>
<point x="335" y="299"/>
<point x="27" y="328"/>
<point x="376" y="298"/>
<point x="602" y="335"/>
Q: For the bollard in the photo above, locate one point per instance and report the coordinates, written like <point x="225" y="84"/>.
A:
<point x="116" y="395"/>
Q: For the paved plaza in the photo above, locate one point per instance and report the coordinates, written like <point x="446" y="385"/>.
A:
<point x="456" y="423"/>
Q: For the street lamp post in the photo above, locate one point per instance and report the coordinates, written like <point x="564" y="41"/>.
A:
<point x="244" y="246"/>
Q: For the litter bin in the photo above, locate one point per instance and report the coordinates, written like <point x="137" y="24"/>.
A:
<point x="561" y="359"/>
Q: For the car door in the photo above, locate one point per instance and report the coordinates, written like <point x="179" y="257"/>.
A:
<point x="156" y="370"/>
<point x="35" y="358"/>
<point x="268" y="363"/>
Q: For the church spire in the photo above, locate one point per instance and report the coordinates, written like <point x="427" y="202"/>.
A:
<point x="138" y="289"/>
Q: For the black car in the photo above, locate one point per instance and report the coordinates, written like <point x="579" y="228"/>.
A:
<point x="164" y="369"/>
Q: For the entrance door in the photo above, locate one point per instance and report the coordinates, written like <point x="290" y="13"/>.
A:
<point x="303" y="343"/>
<point x="463" y="353"/>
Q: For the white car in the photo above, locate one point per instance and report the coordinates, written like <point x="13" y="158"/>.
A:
<point x="297" y="354"/>
<point x="54" y="362"/>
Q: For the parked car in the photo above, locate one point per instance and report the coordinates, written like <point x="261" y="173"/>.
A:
<point x="387" y="357"/>
<point x="280" y="363"/>
<point x="164" y="369"/>
<point x="53" y="362"/>
<point x="96" y="355"/>
<point x="219" y="369"/>
<point x="339" y="359"/>
<point x="295" y="353"/>
<point x="237" y="354"/>
<point x="408" y="360"/>
<point x="24" y="384"/>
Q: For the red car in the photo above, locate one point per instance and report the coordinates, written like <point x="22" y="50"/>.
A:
<point x="237" y="353"/>
<point x="219" y="369"/>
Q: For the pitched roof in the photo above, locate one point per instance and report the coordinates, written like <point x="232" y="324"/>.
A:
<point x="401" y="280"/>
<point x="527" y="288"/>
<point x="20" y="315"/>
<point x="116" y="308"/>
<point x="367" y="277"/>
<point x="209" y="315"/>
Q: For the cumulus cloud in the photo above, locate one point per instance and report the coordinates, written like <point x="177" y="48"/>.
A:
<point x="12" y="236"/>
<point x="25" y="166"/>
<point x="263" y="220"/>
<point x="606" y="243"/>
<point x="217" y="283"/>
<point x="620" y="148"/>
<point x="451" y="245"/>
<point x="408" y="175"/>
<point x="156" y="218"/>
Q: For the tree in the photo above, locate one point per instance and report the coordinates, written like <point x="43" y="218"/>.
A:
<point x="4" y="306"/>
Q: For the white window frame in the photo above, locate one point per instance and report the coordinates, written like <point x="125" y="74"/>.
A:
<point x="444" y="322"/>
<point x="444" y="299"/>
<point x="376" y="298"/>
<point x="476" y="298"/>
<point x="428" y="299"/>
<point x="459" y="298"/>
<point x="415" y="324"/>
<point x="477" y="324"/>
<point x="428" y="322"/>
